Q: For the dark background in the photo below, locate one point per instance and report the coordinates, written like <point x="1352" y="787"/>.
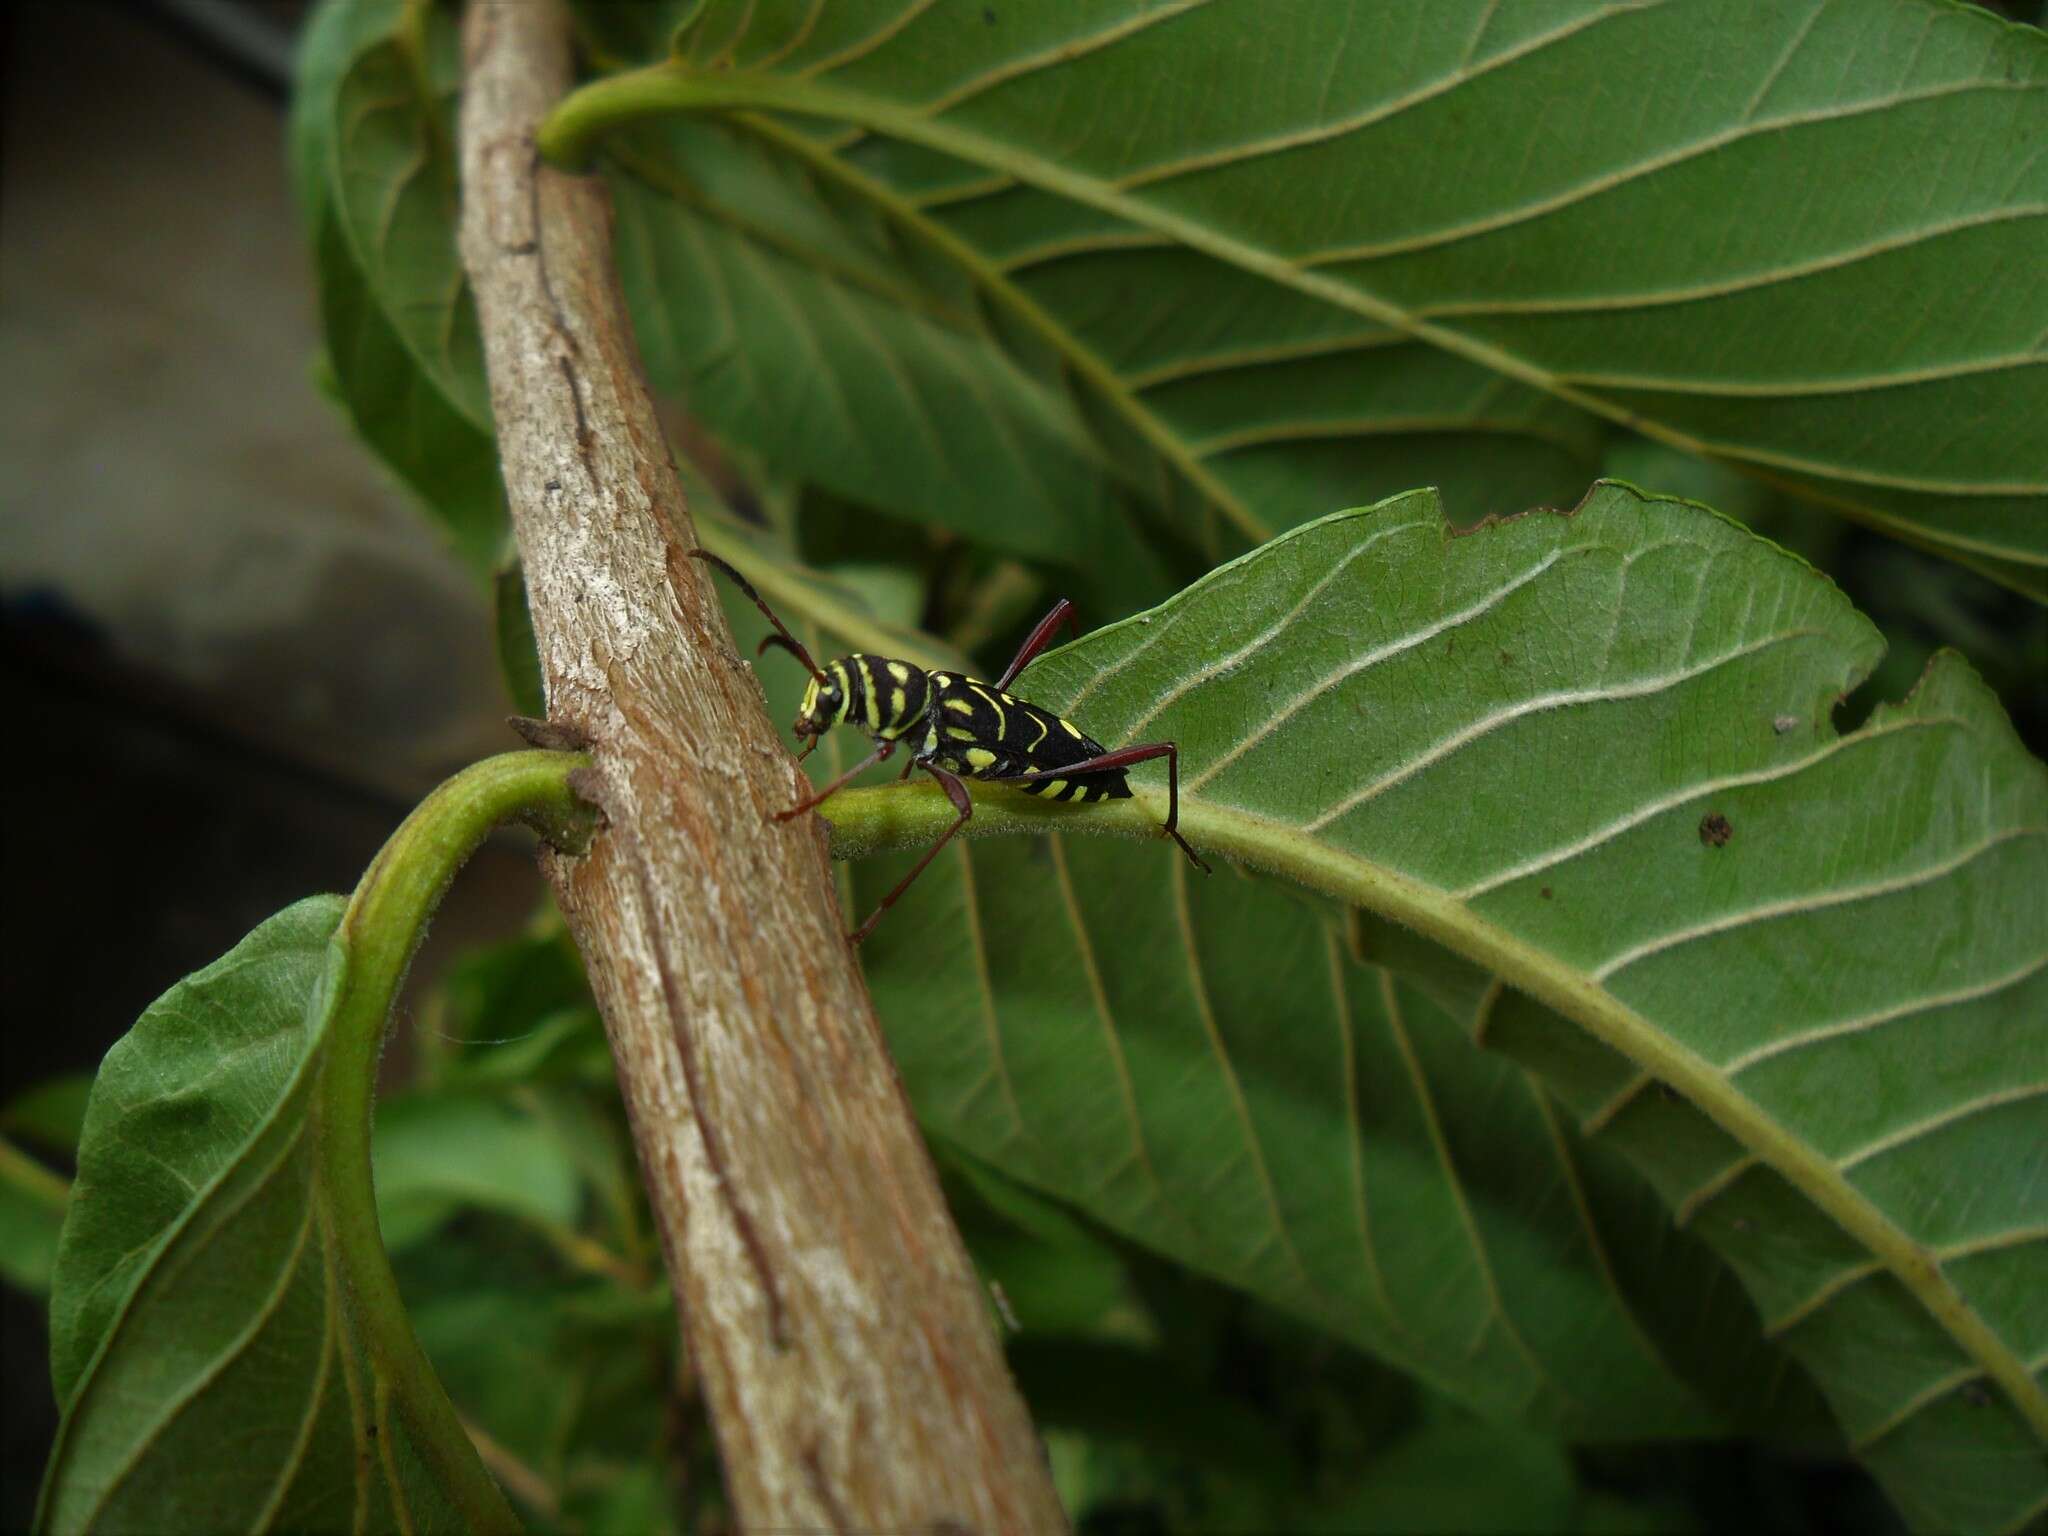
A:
<point x="232" y="655"/>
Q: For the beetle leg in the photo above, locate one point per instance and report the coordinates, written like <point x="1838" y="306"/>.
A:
<point x="882" y="750"/>
<point x="1125" y="757"/>
<point x="955" y="792"/>
<point x="1037" y="640"/>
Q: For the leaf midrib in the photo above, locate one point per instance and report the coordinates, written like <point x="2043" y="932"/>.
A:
<point x="909" y="815"/>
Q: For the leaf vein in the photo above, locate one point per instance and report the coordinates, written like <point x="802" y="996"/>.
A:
<point x="1373" y="658"/>
<point x="1265" y="637"/>
<point x="1953" y="1115"/>
<point x="1379" y="112"/>
<point x="1563" y="698"/>
<point x="1811" y="902"/>
<point x="1594" y="186"/>
<point x="1868" y="1021"/>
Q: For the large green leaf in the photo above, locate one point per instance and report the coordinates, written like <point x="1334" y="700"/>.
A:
<point x="198" y="1297"/>
<point x="1287" y="254"/>
<point x="219" y="1279"/>
<point x="1436" y="1209"/>
<point x="391" y="184"/>
<point x="373" y="165"/>
<point x="1804" y="973"/>
<point x="437" y="1153"/>
<point x="441" y="455"/>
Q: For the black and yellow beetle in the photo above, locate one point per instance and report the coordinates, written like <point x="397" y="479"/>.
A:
<point x="959" y="727"/>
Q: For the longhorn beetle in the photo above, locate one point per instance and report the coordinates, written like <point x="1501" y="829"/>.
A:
<point x="956" y="727"/>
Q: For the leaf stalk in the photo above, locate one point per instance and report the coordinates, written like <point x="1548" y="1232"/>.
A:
<point x="367" y="961"/>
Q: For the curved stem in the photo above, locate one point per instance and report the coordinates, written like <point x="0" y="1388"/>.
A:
<point x="385" y="920"/>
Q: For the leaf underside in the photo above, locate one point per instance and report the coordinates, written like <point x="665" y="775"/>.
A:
<point x="1806" y="978"/>
<point x="1280" y="258"/>
<point x="198" y="1302"/>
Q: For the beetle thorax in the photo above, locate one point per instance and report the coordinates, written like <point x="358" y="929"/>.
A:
<point x="873" y="694"/>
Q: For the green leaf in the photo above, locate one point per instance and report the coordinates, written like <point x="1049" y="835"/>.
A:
<point x="1454" y="1475"/>
<point x="438" y="1153"/>
<point x="518" y="651"/>
<point x="1293" y="256"/>
<point x="50" y="1113"/>
<point x="32" y="1204"/>
<point x="568" y="1374"/>
<point x="334" y="33"/>
<point x="198" y="1293"/>
<point x="1592" y="753"/>
<point x="807" y="347"/>
<point x="372" y="159"/>
<point x="404" y="416"/>
<point x="1203" y="1065"/>
<point x="391" y="178"/>
<point x="219" y="1280"/>
<point x="1038" y="1080"/>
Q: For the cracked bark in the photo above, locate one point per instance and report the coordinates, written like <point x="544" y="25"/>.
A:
<point x="837" y="1328"/>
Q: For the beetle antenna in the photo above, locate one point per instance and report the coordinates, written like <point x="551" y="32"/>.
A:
<point x="782" y="637"/>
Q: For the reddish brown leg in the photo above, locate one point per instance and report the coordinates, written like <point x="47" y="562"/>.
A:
<point x="910" y="764"/>
<point x="1037" y="640"/>
<point x="1124" y="757"/>
<point x="955" y="792"/>
<point x="882" y="750"/>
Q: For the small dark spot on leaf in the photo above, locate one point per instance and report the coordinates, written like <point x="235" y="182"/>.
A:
<point x="1715" y="830"/>
<point x="988" y="14"/>
<point x="1544" y="893"/>
<point x="1976" y="1394"/>
<point x="1506" y="660"/>
<point x="1670" y="1093"/>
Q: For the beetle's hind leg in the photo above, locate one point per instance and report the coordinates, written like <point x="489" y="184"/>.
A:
<point x="1125" y="757"/>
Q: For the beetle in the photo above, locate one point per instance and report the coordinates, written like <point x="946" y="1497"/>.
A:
<point x="956" y="727"/>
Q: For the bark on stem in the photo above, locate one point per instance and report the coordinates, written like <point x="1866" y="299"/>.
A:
<point x="835" y="1323"/>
